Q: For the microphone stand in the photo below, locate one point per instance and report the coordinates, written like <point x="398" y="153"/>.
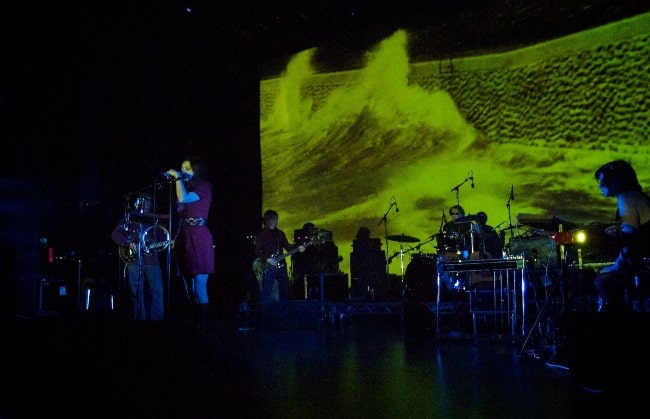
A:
<point x="139" y="309"/>
<point x="457" y="187"/>
<point x="171" y="182"/>
<point x="443" y="221"/>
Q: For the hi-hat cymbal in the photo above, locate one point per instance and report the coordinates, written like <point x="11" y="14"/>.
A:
<point x="403" y="238"/>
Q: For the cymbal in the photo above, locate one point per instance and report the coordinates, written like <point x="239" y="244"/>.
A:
<point x="403" y="238"/>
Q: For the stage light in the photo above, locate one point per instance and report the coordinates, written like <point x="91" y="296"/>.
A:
<point x="570" y="237"/>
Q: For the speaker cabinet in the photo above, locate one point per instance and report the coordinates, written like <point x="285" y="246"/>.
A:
<point x="335" y="287"/>
<point x="537" y="251"/>
<point x="57" y="296"/>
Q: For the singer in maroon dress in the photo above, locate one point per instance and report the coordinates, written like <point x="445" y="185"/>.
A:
<point x="193" y="244"/>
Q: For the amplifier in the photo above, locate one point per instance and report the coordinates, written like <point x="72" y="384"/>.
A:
<point x="540" y="251"/>
<point x="335" y="287"/>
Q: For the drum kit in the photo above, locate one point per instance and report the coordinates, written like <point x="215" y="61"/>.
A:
<point x="538" y="250"/>
<point x="401" y="238"/>
<point x="417" y="275"/>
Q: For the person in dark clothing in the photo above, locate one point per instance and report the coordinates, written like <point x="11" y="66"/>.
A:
<point x="617" y="179"/>
<point x="485" y="239"/>
<point x="455" y="235"/>
<point x="270" y="264"/>
<point x="142" y="266"/>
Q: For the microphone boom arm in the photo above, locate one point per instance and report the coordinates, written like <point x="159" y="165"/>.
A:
<point x="455" y="188"/>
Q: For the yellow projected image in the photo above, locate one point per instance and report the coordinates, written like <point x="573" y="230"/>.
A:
<point x="392" y="146"/>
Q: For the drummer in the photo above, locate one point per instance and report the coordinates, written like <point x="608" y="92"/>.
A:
<point x="456" y="232"/>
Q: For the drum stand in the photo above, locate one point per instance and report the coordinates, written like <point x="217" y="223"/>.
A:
<point x="544" y="309"/>
<point x="537" y="322"/>
<point x="401" y="260"/>
<point x="438" y="303"/>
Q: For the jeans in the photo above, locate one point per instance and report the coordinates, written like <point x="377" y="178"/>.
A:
<point x="270" y="277"/>
<point x="147" y="301"/>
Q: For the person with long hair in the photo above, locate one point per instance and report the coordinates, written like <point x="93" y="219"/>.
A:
<point x="193" y="242"/>
<point x="617" y="179"/>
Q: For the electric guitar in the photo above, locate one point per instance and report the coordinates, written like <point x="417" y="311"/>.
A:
<point x="150" y="242"/>
<point x="260" y="267"/>
<point x="129" y="255"/>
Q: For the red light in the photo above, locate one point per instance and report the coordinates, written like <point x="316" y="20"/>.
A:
<point x="569" y="237"/>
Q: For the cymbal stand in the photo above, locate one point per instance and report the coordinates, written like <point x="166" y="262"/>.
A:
<point x="510" y="198"/>
<point x="401" y="259"/>
<point x="384" y="220"/>
<point x="471" y="238"/>
<point x="443" y="221"/>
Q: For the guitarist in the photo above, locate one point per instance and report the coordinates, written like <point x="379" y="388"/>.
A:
<point x="141" y="269"/>
<point x="270" y="244"/>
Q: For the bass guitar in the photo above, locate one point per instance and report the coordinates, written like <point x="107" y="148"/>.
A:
<point x="260" y="267"/>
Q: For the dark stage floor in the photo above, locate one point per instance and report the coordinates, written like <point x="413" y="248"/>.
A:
<point x="304" y="359"/>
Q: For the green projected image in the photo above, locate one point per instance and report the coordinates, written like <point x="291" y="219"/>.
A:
<point x="338" y="149"/>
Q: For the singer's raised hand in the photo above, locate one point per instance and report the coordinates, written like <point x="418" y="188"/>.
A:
<point x="173" y="173"/>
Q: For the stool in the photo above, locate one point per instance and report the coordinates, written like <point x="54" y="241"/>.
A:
<point x="89" y="287"/>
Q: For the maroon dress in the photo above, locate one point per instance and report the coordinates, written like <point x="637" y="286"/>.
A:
<point x="194" y="244"/>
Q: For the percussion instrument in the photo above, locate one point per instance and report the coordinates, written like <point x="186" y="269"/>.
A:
<point x="402" y="238"/>
<point x="448" y="242"/>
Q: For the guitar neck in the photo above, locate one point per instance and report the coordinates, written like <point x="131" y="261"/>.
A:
<point x="291" y="252"/>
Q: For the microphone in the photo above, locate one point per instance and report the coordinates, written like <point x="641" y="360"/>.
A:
<point x="472" y="179"/>
<point x="395" y="202"/>
<point x="512" y="192"/>
<point x="181" y="176"/>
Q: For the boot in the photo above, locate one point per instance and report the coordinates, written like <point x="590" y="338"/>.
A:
<point x="203" y="319"/>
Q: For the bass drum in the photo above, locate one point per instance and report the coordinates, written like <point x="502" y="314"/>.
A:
<point x="420" y="278"/>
